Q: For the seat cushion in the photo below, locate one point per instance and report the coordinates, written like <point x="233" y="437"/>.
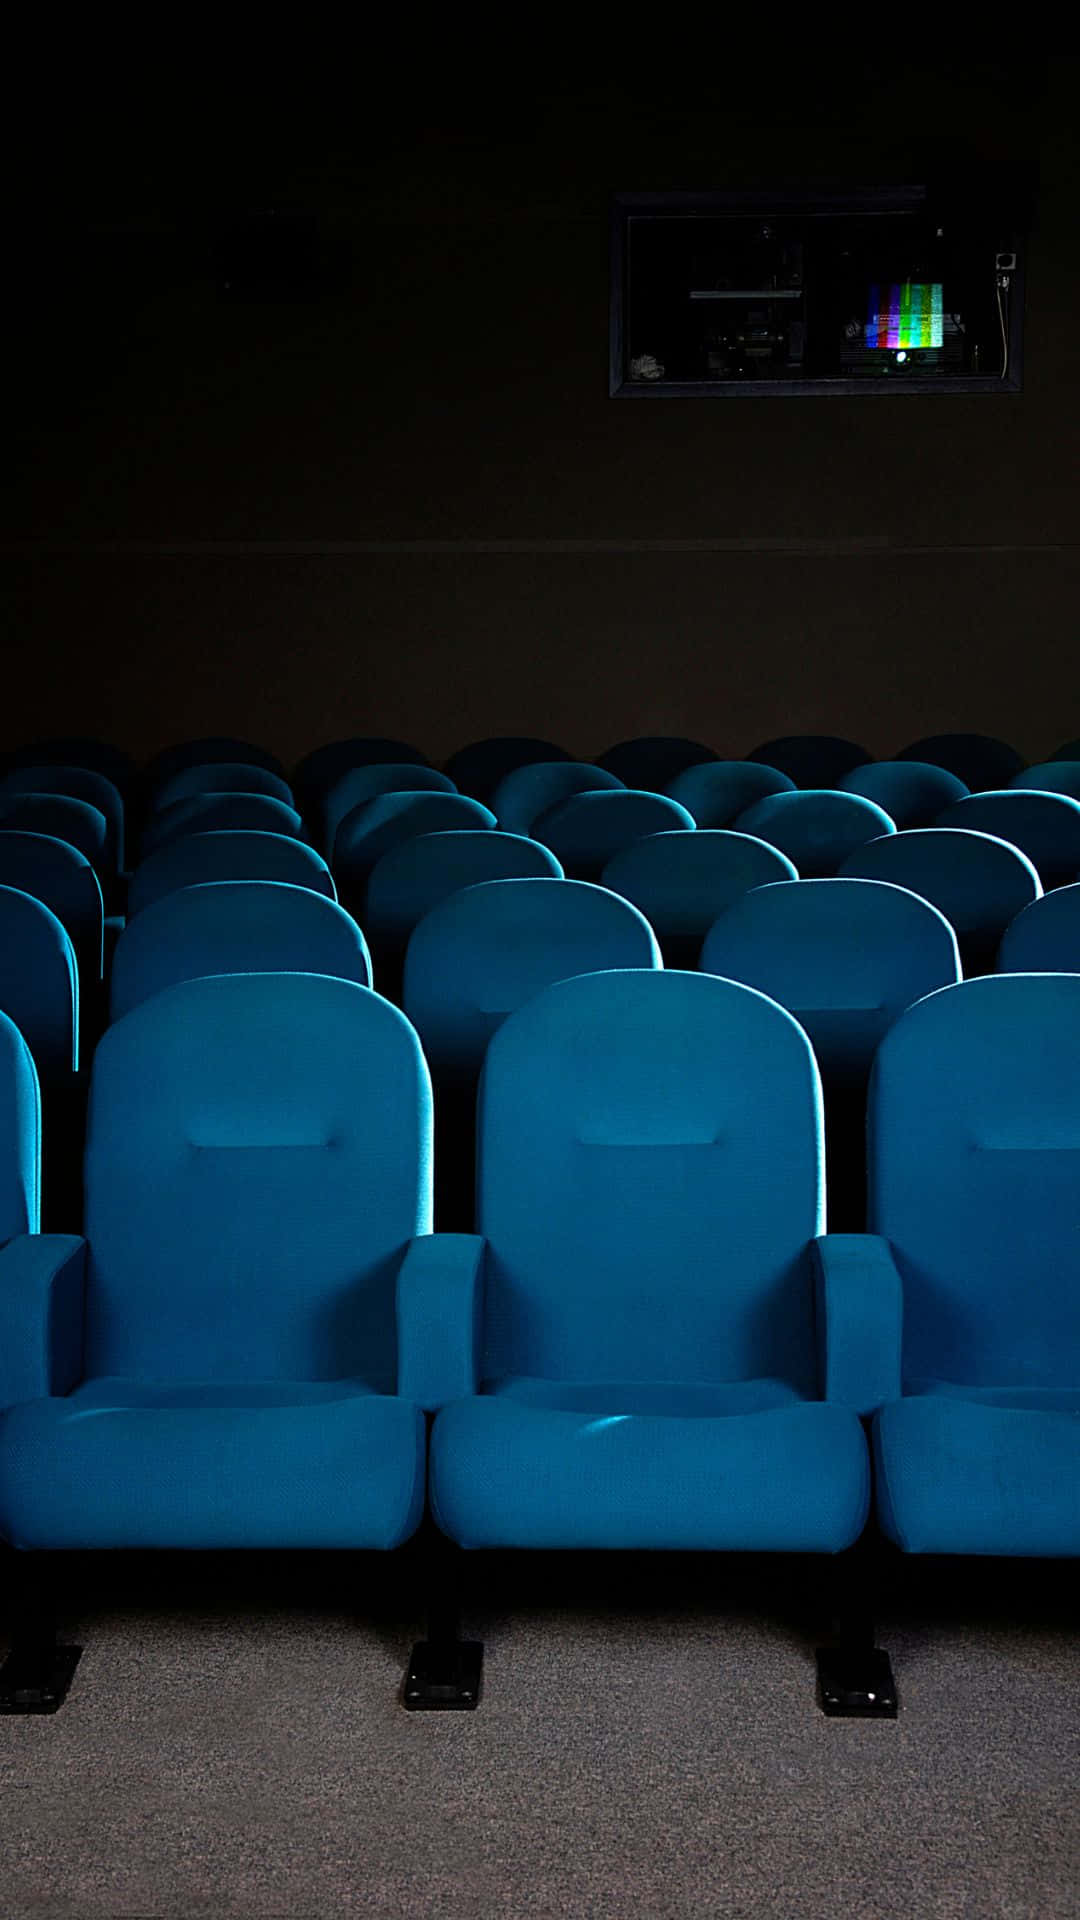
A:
<point x="122" y="1463"/>
<point x="970" y="1476"/>
<point x="509" y="1474"/>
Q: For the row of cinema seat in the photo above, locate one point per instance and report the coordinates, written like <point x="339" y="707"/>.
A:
<point x="648" y="1343"/>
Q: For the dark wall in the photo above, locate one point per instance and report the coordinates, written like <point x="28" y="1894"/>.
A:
<point x="389" y="492"/>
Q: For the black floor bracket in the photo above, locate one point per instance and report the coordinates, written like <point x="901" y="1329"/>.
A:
<point x="35" y="1679"/>
<point x="444" y="1675"/>
<point x="856" y="1683"/>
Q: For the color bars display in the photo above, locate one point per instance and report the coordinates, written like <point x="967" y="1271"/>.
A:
<point x="906" y="314"/>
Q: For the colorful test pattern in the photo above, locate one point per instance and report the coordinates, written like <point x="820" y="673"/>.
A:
<point x="905" y="314"/>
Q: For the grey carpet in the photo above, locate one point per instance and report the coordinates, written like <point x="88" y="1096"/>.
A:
<point x="648" y="1745"/>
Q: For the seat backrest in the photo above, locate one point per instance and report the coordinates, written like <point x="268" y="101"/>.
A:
<point x="681" y="881"/>
<point x="76" y="750"/>
<point x="977" y="881"/>
<point x="59" y="875"/>
<point x="816" y="760"/>
<point x="817" y="830"/>
<point x="39" y="984"/>
<point x="716" y="791"/>
<point x="478" y="768"/>
<point x="649" y="763"/>
<point x="1045" y="826"/>
<point x="1050" y="776"/>
<point x="978" y="759"/>
<point x="63" y="818"/>
<point x="234" y="926"/>
<point x="586" y="831"/>
<point x="199" y="753"/>
<point x="486" y="950"/>
<point x="974" y="1164"/>
<point x="193" y="859"/>
<point x="78" y="783"/>
<point x="219" y="813"/>
<point x="650" y="1150"/>
<point x="376" y="825"/>
<point x="526" y="792"/>
<point x="912" y="792"/>
<point x="1069" y="750"/>
<point x="20" y="1135"/>
<point x="358" y="784"/>
<point x="220" y="776"/>
<point x="1045" y="937"/>
<point x="316" y="772"/>
<point x="258" y="1156"/>
<point x="844" y="956"/>
<point x="412" y="878"/>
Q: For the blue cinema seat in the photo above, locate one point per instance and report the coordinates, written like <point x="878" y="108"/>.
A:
<point x="219" y="776"/>
<point x="20" y="1136"/>
<point x="717" y="791"/>
<point x="479" y="955"/>
<point x="357" y="784"/>
<point x="246" y="854"/>
<point x="77" y="783"/>
<point x="589" y="829"/>
<point x="478" y="768"/>
<point x="63" y="879"/>
<point x="315" y="774"/>
<point x="234" y="926"/>
<point x="526" y="792"/>
<point x="628" y="1353"/>
<point x="199" y="753"/>
<point x="219" y="813"/>
<point x="1050" y="776"/>
<point x="77" y="750"/>
<point x="817" y="829"/>
<point x="977" y="881"/>
<point x="1045" y="826"/>
<point x="651" y="761"/>
<point x="1069" y="750"/>
<point x="389" y="819"/>
<point x="978" y="759"/>
<point x="817" y="760"/>
<point x="214" y="1365"/>
<point x="912" y="792"/>
<point x="410" y="879"/>
<point x="62" y="817"/>
<point x="1045" y="937"/>
<point x="974" y="1174"/>
<point x="39" y="991"/>
<point x="682" y="881"/>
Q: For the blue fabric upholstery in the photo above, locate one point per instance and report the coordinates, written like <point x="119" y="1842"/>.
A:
<point x="62" y="817"/>
<point x="478" y="768"/>
<point x="357" y="784"/>
<point x="39" y="984"/>
<point x="258" y="1161"/>
<point x="844" y="956"/>
<point x="1045" y="938"/>
<point x="817" y="829"/>
<point x="63" y="879"/>
<point x="440" y="1300"/>
<point x="220" y="776"/>
<point x="315" y="774"/>
<point x="234" y="926"/>
<point x="974" y="1170"/>
<point x="977" y="759"/>
<point x="200" y="753"/>
<point x="219" y="813"/>
<point x="811" y="759"/>
<point x="376" y="825"/>
<point x="195" y="859"/>
<point x="414" y="877"/>
<point x="681" y="881"/>
<point x="524" y="793"/>
<point x="912" y="792"/>
<point x="1045" y="826"/>
<point x="860" y="1309"/>
<point x="76" y="750"/>
<point x="486" y="950"/>
<point x="977" y="881"/>
<point x="717" y="791"/>
<point x="42" y="1315"/>
<point x="78" y="783"/>
<point x="650" y="1181"/>
<point x="1050" y="776"/>
<point x="20" y="1139"/>
<point x="586" y="831"/>
<point x="648" y="763"/>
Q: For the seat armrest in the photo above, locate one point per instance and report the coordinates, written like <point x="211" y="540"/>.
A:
<point x="860" y="1315"/>
<point x="42" y="1284"/>
<point x="439" y="1309"/>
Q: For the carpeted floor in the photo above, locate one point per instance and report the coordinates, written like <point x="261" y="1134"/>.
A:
<point x="648" y="1745"/>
